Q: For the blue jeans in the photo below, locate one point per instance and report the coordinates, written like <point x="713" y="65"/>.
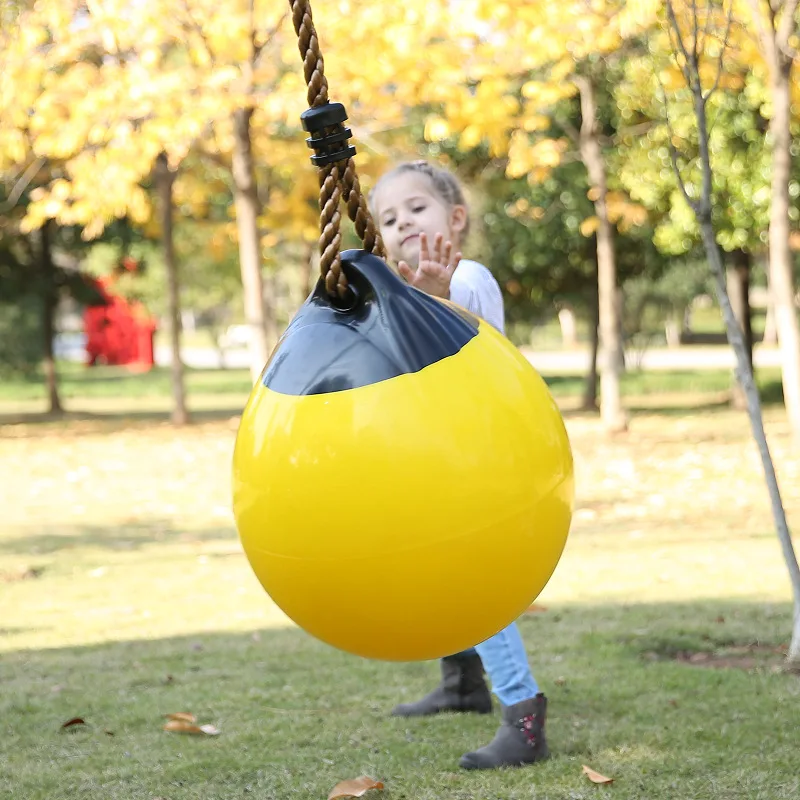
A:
<point x="506" y="663"/>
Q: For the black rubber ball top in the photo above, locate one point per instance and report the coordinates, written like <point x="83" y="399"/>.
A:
<point x="389" y="329"/>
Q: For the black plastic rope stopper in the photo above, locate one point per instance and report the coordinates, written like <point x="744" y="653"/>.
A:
<point x="324" y="123"/>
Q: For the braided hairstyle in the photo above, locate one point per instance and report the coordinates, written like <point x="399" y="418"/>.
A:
<point x="444" y="184"/>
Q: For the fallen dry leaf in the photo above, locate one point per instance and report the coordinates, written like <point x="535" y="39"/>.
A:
<point x="183" y="716"/>
<point x="74" y="721"/>
<point x="24" y="574"/>
<point x="355" y="787"/>
<point x="534" y="609"/>
<point x="596" y="777"/>
<point x="181" y="726"/>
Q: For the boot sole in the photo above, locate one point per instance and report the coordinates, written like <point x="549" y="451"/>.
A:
<point x="464" y="763"/>
<point x="397" y="713"/>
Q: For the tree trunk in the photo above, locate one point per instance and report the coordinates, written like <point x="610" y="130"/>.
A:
<point x="738" y="284"/>
<point x="590" y="387"/>
<point x="780" y="259"/>
<point x="619" y="305"/>
<point x="166" y="178"/>
<point x="770" y="335"/>
<point x="611" y="411"/>
<point x="673" y="327"/>
<point x="569" y="331"/>
<point x="49" y="304"/>
<point x="747" y="380"/>
<point x="247" y="208"/>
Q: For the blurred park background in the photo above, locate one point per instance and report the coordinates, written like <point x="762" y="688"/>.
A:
<point x="152" y="152"/>
<point x="159" y="229"/>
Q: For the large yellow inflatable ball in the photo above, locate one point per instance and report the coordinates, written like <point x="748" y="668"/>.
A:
<point x="402" y="478"/>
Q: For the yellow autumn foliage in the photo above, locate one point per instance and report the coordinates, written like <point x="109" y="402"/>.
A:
<point x="102" y="86"/>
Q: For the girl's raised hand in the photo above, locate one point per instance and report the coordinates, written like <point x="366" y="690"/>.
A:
<point x="435" y="270"/>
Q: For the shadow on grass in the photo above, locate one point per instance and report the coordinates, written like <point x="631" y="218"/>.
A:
<point x="125" y="537"/>
<point x="566" y="389"/>
<point x="637" y="407"/>
<point x="112" y="420"/>
<point x="298" y="716"/>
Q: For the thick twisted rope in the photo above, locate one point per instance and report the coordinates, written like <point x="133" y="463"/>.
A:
<point x="337" y="181"/>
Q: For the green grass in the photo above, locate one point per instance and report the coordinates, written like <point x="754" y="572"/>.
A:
<point x="709" y="320"/>
<point x="115" y="390"/>
<point x="638" y="384"/>
<point x="144" y="605"/>
<point x="78" y="381"/>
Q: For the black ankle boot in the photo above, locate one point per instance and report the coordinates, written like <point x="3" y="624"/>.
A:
<point x="520" y="739"/>
<point x="462" y="689"/>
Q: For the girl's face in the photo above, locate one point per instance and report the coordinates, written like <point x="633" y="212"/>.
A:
<point x="407" y="206"/>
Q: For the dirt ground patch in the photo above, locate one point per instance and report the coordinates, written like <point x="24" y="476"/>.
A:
<point x="747" y="657"/>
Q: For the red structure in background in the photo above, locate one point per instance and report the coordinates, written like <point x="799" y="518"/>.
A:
<point x="117" y="331"/>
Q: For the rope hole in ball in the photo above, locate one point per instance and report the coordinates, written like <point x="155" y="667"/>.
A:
<point x="348" y="303"/>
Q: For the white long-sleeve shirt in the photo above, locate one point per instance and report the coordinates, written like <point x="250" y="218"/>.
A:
<point x="473" y="287"/>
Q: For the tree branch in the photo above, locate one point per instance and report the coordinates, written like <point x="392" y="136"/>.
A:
<point x="259" y="49"/>
<point x="722" y="50"/>
<point x="251" y="22"/>
<point x="196" y="28"/>
<point x="632" y="130"/>
<point x="588" y="121"/>
<point x="788" y="25"/>
<point x="673" y="152"/>
<point x="570" y="130"/>
<point x="768" y="44"/>
<point x="678" y="44"/>
<point x="706" y="29"/>
<point x="214" y="158"/>
<point x="24" y="181"/>
<point x="549" y="213"/>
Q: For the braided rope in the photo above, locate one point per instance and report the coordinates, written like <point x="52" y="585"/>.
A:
<point x="336" y="181"/>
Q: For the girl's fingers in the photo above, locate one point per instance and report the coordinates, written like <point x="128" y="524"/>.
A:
<point x="446" y="253"/>
<point x="437" y="248"/>
<point x="431" y="269"/>
<point x="451" y="268"/>
<point x="424" y="255"/>
<point x="405" y="271"/>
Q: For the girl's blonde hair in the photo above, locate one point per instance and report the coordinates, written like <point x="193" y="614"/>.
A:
<point x="443" y="182"/>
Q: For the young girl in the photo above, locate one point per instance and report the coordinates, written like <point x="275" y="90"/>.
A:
<point x="423" y="219"/>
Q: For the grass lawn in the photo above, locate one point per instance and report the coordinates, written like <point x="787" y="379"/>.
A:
<point x="124" y="596"/>
<point x="117" y="392"/>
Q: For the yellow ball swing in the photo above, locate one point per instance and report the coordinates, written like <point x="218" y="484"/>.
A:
<point x="397" y="453"/>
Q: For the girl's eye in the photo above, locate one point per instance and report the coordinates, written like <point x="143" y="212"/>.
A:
<point x="388" y="222"/>
<point x="418" y="209"/>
